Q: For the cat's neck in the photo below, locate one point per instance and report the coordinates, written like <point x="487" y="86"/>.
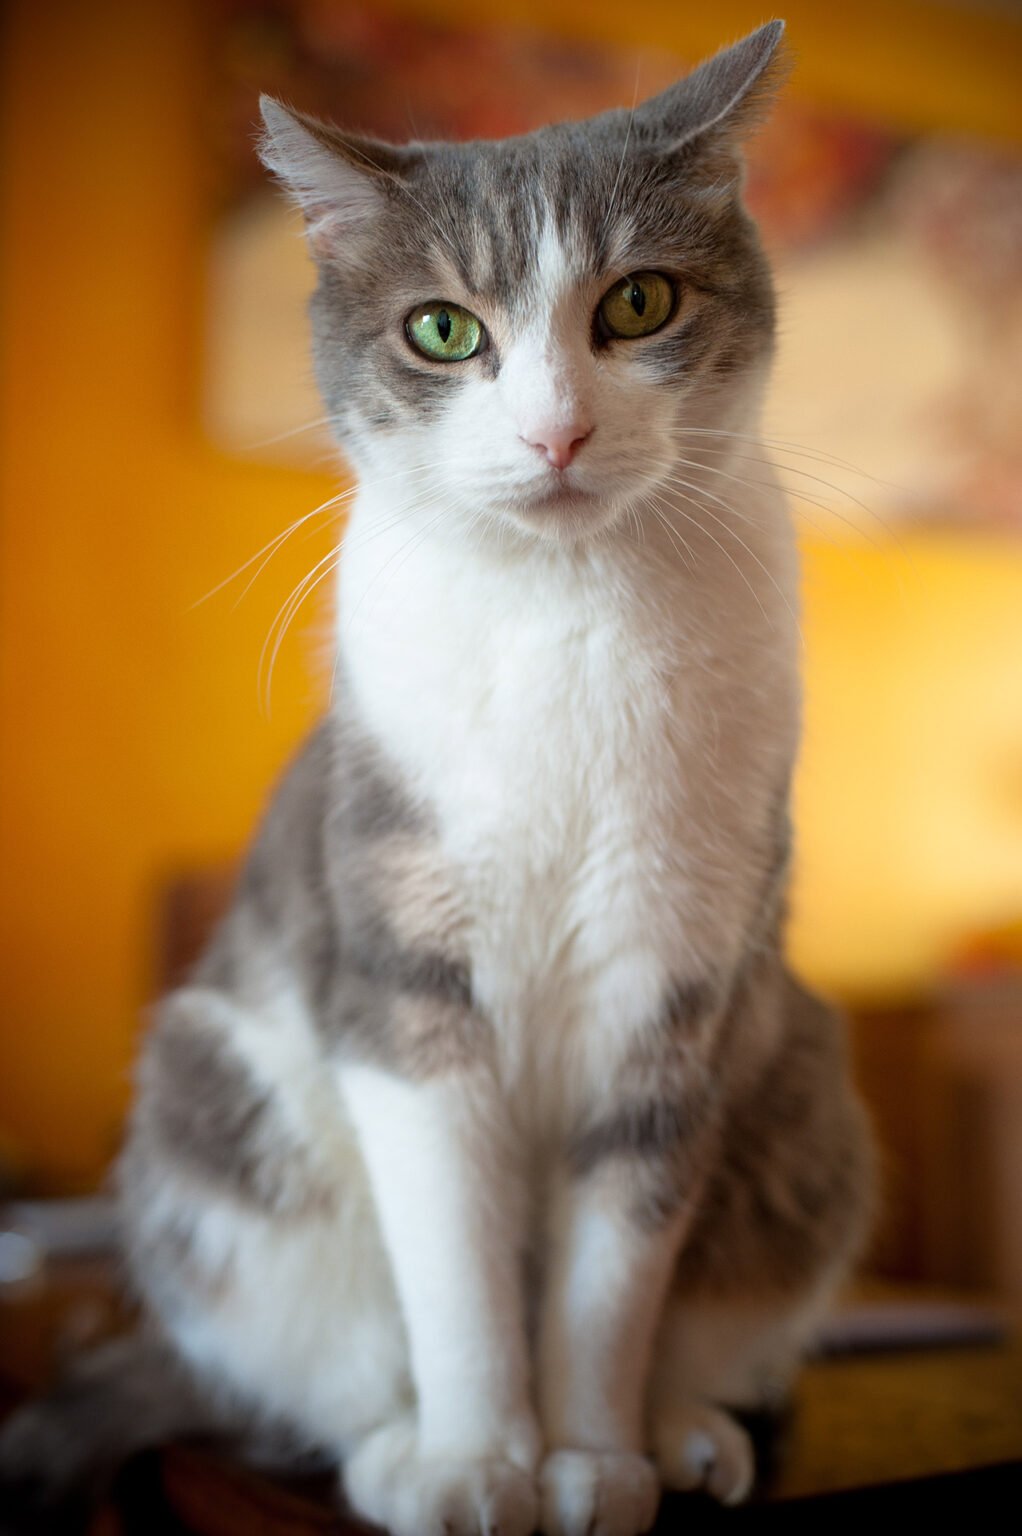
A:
<point x="717" y="545"/>
<point x="408" y="568"/>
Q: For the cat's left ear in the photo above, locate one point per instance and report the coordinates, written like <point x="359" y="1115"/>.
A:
<point x="340" y="181"/>
<point x="722" y="100"/>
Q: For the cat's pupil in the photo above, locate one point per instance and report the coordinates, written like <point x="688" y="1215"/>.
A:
<point x="443" y="324"/>
<point x="638" y="298"/>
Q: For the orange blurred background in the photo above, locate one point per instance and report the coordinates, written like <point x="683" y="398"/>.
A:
<point x="133" y="745"/>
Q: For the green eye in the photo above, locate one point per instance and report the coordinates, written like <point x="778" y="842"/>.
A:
<point x="445" y="332"/>
<point x="638" y="306"/>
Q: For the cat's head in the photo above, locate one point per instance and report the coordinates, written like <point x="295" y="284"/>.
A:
<point x="518" y="328"/>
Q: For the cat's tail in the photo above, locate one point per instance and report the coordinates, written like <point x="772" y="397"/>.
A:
<point x="59" y="1454"/>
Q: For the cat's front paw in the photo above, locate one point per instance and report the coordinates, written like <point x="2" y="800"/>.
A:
<point x="391" y="1484"/>
<point x="700" y="1446"/>
<point x="597" y="1493"/>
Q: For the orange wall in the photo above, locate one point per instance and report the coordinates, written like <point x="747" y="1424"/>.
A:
<point x="908" y="803"/>
<point x="131" y="740"/>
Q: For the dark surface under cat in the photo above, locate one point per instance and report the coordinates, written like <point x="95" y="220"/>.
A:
<point x="185" y="1493"/>
<point x="907" y="1432"/>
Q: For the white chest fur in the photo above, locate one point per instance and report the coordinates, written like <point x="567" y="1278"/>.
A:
<point x="585" y="730"/>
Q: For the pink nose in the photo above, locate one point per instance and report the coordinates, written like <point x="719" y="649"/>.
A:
<point x="559" y="444"/>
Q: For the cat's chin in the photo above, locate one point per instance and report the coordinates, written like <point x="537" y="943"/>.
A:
<point x="563" y="515"/>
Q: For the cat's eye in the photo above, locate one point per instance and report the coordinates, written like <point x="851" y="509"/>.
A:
<point x="637" y="306"/>
<point x="445" y="332"/>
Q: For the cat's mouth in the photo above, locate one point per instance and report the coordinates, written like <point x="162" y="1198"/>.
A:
<point x="560" y="511"/>
<point x="554" y="496"/>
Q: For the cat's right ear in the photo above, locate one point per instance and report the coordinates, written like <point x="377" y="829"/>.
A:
<point x="338" y="180"/>
<point x="724" y="98"/>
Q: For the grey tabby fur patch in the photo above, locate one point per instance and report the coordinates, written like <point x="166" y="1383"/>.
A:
<point x="204" y="1110"/>
<point x="788" y="1195"/>
<point x="347" y="889"/>
<point x="666" y="1101"/>
<point x="674" y="1088"/>
<point x="344" y="893"/>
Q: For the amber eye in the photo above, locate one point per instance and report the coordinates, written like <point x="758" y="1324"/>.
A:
<point x="638" y="306"/>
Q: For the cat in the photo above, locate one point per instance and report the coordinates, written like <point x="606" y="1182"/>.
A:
<point x="491" y="1149"/>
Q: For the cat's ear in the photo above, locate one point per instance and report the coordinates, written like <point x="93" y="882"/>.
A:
<point x="339" y="180"/>
<point x="722" y="100"/>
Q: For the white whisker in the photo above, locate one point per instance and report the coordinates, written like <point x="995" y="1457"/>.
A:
<point x="341" y="497"/>
<point x="677" y="481"/>
<point x="268" y="550"/>
<point x="282" y="437"/>
<point x="655" y="506"/>
<point x="800" y="495"/>
<point x="801" y="450"/>
<point x="793" y="469"/>
<point x="287" y="612"/>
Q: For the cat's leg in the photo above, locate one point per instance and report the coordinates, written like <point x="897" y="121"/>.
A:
<point x="403" y="1358"/>
<point x="604" y="1288"/>
<point x="450" y="1206"/>
<point x="255" y="1221"/>
<point x="784" y="1214"/>
<point x="623" y="1198"/>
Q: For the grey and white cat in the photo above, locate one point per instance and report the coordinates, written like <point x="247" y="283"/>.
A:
<point x="491" y="1148"/>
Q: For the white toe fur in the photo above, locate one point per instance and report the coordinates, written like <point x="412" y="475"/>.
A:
<point x="590" y="1493"/>
<point x="702" y="1447"/>
<point x="390" y="1484"/>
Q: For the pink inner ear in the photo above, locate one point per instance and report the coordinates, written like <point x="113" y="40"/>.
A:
<point x="336" y="205"/>
<point x="333" y="191"/>
<point x="329" y="218"/>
